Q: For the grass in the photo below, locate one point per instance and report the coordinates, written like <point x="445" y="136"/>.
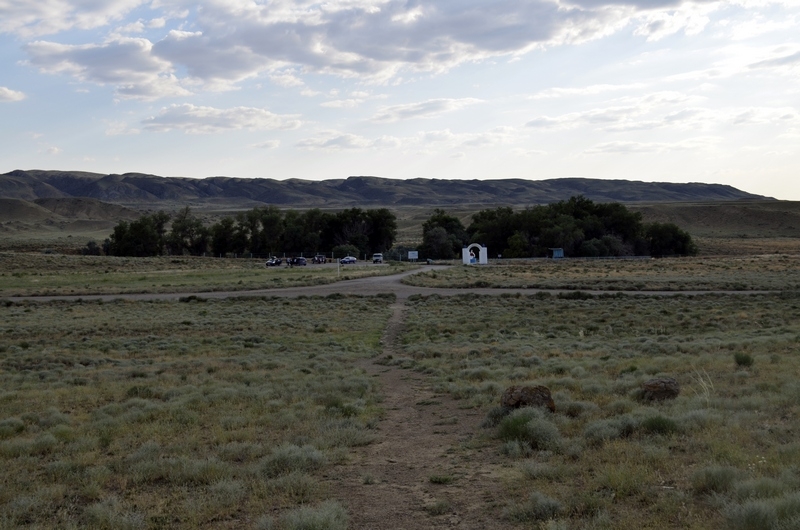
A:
<point x="208" y="413"/>
<point x="733" y="273"/>
<point x="722" y="452"/>
<point x="182" y="415"/>
<point x="26" y="274"/>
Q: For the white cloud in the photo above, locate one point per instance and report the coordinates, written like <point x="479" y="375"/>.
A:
<point x="133" y="27"/>
<point x="342" y="103"/>
<point x="591" y="90"/>
<point x="192" y="119"/>
<point x="53" y="151"/>
<point x="286" y="79"/>
<point x="269" y="144"/>
<point x="33" y="18"/>
<point x="125" y="63"/>
<point x="8" y="95"/>
<point x="424" y="109"/>
<point x="691" y="18"/>
<point x="632" y="147"/>
<point x="783" y="60"/>
<point x="338" y="141"/>
<point x="377" y="41"/>
<point x="119" y="128"/>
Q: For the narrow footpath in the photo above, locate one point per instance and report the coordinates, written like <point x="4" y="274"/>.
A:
<point x="426" y="469"/>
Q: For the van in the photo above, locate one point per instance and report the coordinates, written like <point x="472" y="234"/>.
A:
<point x="377" y="258"/>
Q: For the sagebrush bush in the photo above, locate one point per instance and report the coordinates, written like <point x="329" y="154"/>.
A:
<point x="328" y="515"/>
<point x="759" y="488"/>
<point x="659" y="425"/>
<point x="289" y="458"/>
<point x="537" y="507"/>
<point x="111" y="515"/>
<point x="743" y="360"/>
<point x="597" y="432"/>
<point x="528" y="425"/>
<point x="714" y="479"/>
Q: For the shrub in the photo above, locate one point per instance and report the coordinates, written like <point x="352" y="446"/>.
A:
<point x="11" y="426"/>
<point x="743" y="360"/>
<point x="751" y="515"/>
<point x="537" y="507"/>
<point x="329" y="515"/>
<point x="495" y="416"/>
<point x="109" y="514"/>
<point x="600" y="431"/>
<point x="288" y="458"/>
<point x="714" y="479"/>
<point x="659" y="425"/>
<point x="760" y="488"/>
<point x="297" y="486"/>
<point x="527" y="425"/>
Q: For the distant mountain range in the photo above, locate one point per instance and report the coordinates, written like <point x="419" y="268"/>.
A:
<point x="138" y="190"/>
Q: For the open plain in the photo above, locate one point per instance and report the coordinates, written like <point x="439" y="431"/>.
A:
<point x="373" y="403"/>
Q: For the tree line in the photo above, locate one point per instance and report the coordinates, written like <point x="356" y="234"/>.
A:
<point x="579" y="226"/>
<point x="260" y="231"/>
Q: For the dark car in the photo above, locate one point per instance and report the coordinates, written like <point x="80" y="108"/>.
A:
<point x="297" y="262"/>
<point x="273" y="262"/>
<point x="347" y="259"/>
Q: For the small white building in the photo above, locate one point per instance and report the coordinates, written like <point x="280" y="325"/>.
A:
<point x="468" y="256"/>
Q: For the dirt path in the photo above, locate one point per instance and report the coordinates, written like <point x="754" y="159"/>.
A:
<point x="427" y="468"/>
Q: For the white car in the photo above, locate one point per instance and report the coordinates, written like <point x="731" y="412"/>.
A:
<point x="377" y="258"/>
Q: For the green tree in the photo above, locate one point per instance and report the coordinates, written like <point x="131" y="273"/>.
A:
<point x="667" y="239"/>
<point x="187" y="234"/>
<point x="223" y="236"/>
<point x="140" y="238"/>
<point x="443" y="236"/>
<point x="382" y="230"/>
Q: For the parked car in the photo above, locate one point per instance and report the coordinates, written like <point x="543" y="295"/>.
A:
<point x="377" y="258"/>
<point x="273" y="262"/>
<point x="347" y="259"/>
<point x="297" y="262"/>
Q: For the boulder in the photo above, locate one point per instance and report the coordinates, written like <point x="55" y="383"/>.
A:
<point x="660" y="389"/>
<point x="515" y="397"/>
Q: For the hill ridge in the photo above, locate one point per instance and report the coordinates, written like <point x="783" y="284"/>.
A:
<point x="137" y="189"/>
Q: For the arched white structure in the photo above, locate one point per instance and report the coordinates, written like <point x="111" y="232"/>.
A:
<point x="468" y="255"/>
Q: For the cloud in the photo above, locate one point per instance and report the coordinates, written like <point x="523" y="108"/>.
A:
<point x="342" y="103"/>
<point x="785" y="60"/>
<point x="376" y="41"/>
<point x="286" y="79"/>
<point x="28" y="18"/>
<point x="591" y="90"/>
<point x="192" y="119"/>
<point x="651" y="111"/>
<point x="339" y="141"/>
<point x="125" y="63"/>
<point x="424" y="109"/>
<point x="631" y="147"/>
<point x="53" y="151"/>
<point x="8" y="95"/>
<point x="269" y="144"/>
<point x="119" y="128"/>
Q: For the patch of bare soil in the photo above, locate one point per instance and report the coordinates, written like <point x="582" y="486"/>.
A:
<point x="430" y="466"/>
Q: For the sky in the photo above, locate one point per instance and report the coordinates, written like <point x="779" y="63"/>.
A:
<point x="650" y="90"/>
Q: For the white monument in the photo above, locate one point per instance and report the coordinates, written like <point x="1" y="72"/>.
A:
<point x="468" y="256"/>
